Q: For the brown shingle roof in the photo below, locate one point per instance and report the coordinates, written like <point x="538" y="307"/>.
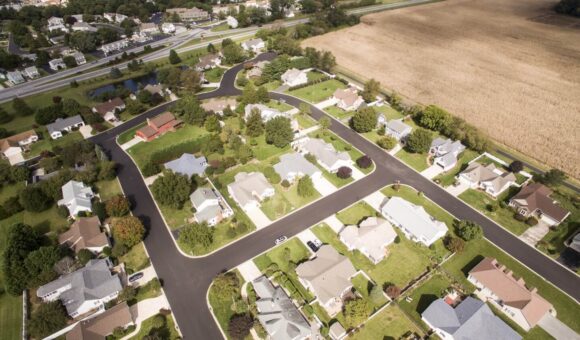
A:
<point x="161" y="120"/>
<point x="85" y="232"/>
<point x="103" y="324"/>
<point x="13" y="140"/>
<point x="109" y="106"/>
<point x="536" y="196"/>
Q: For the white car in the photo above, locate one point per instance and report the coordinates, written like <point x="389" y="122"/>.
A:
<point x="281" y="239"/>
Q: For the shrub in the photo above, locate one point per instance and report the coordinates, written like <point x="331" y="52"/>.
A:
<point x="344" y="172"/>
<point x="516" y="166"/>
<point x="84" y="256"/>
<point x="364" y="120"/>
<point x="285" y="184"/>
<point x="364" y="162"/>
<point x="62" y="211"/>
<point x="272" y="176"/>
<point x="150" y="169"/>
<point x="454" y="244"/>
<point x="532" y="221"/>
<point x="393" y="291"/>
<point x="306" y="187"/>
<point x="419" y="141"/>
<point x="239" y="326"/>
<point x="519" y="217"/>
<point x="119" y="250"/>
<point x="492" y="207"/>
<point x="468" y="230"/>
<point x="387" y="142"/>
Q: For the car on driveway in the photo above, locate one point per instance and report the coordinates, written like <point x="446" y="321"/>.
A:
<point x="281" y="239"/>
<point x="135" y="277"/>
<point x="312" y="246"/>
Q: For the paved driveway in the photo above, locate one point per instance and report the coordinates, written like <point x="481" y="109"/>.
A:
<point x="334" y="223"/>
<point x="86" y="131"/>
<point x="534" y="234"/>
<point x="132" y="142"/>
<point x="375" y="200"/>
<point x="356" y="173"/>
<point x="457" y="190"/>
<point x="432" y="171"/>
<point x="258" y="217"/>
<point x="323" y="186"/>
<point x="557" y="329"/>
<point x="305" y="236"/>
<point x="249" y="271"/>
<point x="148" y="275"/>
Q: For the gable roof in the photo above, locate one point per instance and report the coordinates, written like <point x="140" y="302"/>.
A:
<point x="348" y="96"/>
<point x="294" y="163"/>
<point x="207" y="60"/>
<point x="77" y="195"/>
<point x="109" y="106"/>
<point x="398" y="126"/>
<point x="187" y="165"/>
<point x="471" y="319"/>
<point x="536" y="196"/>
<point x="218" y="105"/>
<point x="84" y="233"/>
<point x="373" y="234"/>
<point x="246" y="184"/>
<point x="253" y="42"/>
<point x="63" y="123"/>
<point x="292" y="74"/>
<point x="329" y="273"/>
<point x="413" y="218"/>
<point x="445" y="146"/>
<point x="324" y="152"/>
<point x="98" y="327"/>
<point x="15" y="139"/>
<point x="477" y="173"/>
<point x="199" y="196"/>
<point x="153" y="89"/>
<point x="162" y="119"/>
<point x="512" y="292"/>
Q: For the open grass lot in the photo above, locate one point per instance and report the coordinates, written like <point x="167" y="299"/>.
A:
<point x="318" y="92"/>
<point x="417" y="161"/>
<point x="356" y="213"/>
<point x="214" y="75"/>
<point x="285" y="201"/>
<point x="220" y="28"/>
<point x="390" y="323"/>
<point x="278" y="105"/>
<point x="488" y="61"/>
<point x="448" y="178"/>
<point x="108" y="189"/>
<point x="503" y="216"/>
<point x="168" y="332"/>
<point x="314" y="75"/>
<point x="459" y="266"/>
<point x="136" y="259"/>
<point x="305" y="121"/>
<point x="175" y="218"/>
<point x="10" y="316"/>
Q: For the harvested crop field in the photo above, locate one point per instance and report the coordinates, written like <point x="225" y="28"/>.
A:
<point x="511" y="68"/>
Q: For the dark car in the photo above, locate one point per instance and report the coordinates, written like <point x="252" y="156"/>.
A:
<point x="312" y="246"/>
<point x="135" y="277"/>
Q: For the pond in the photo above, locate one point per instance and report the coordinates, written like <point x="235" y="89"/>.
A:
<point x="132" y="85"/>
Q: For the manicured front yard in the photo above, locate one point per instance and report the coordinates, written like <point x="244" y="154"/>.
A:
<point x="168" y="332"/>
<point x="356" y="213"/>
<point x="285" y="201"/>
<point x="214" y="75"/>
<point x="10" y="316"/>
<point x="278" y="105"/>
<point x="318" y="92"/>
<point x="108" y="189"/>
<point x="129" y="134"/>
<point x="48" y="144"/>
<point x="339" y="113"/>
<point x="390" y="323"/>
<point x="340" y="145"/>
<point x="417" y="161"/>
<point x="136" y="259"/>
<point x="305" y="121"/>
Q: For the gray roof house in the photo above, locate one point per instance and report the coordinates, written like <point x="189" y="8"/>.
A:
<point x="15" y="77"/>
<point x="31" y="72"/>
<point x="488" y="178"/>
<point x="471" y="319"/>
<point x="397" y="129"/>
<point x="336" y="331"/>
<point x="67" y="124"/>
<point x="328" y="277"/>
<point x="210" y="206"/>
<point x="249" y="189"/>
<point x="76" y="197"/>
<point x="371" y="237"/>
<point x="293" y="166"/>
<point x="325" y="153"/>
<point x="84" y="290"/>
<point x="254" y="45"/>
<point x="276" y="312"/>
<point x="445" y="152"/>
<point x="294" y="77"/>
<point x="187" y="165"/>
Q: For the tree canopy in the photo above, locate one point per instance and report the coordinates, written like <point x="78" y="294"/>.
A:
<point x="128" y="230"/>
<point x="364" y="120"/>
<point x="279" y="132"/>
<point x="419" y="141"/>
<point x="171" y="189"/>
<point x="468" y="230"/>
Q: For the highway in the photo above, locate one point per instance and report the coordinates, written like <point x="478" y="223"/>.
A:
<point x="186" y="280"/>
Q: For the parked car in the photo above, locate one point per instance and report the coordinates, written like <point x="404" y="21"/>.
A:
<point x="317" y="243"/>
<point x="281" y="239"/>
<point x="135" y="277"/>
<point x="312" y="246"/>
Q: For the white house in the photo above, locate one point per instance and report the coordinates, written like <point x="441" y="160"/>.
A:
<point x="168" y="28"/>
<point x="57" y="64"/>
<point x="347" y="99"/>
<point x="208" y="62"/>
<point x="293" y="166"/>
<point x="249" y="189"/>
<point x="445" y="152"/>
<point x="413" y="221"/>
<point x="210" y="206"/>
<point x="232" y="22"/>
<point x="15" y="77"/>
<point x="487" y="178"/>
<point x="397" y="129"/>
<point x="84" y="290"/>
<point x="150" y="28"/>
<point x="31" y="72"/>
<point x="325" y="154"/>
<point x="294" y="77"/>
<point x="371" y="237"/>
<point x="55" y="24"/>
<point x="13" y="146"/>
<point x="114" y="46"/>
<point x="76" y="197"/>
<point x="254" y="45"/>
<point x="56" y="129"/>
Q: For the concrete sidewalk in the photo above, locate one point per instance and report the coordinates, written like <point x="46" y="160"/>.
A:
<point x="132" y="142"/>
<point x="356" y="173"/>
<point x="432" y="171"/>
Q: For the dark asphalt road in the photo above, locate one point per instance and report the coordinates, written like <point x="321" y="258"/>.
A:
<point x="186" y="280"/>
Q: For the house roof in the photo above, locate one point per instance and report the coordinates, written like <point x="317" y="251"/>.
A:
<point x="324" y="152"/>
<point x="148" y="25"/>
<point x="471" y="319"/>
<point x="292" y="74"/>
<point x="536" y="196"/>
<point x="187" y="165"/>
<point x="336" y="330"/>
<point x="266" y="112"/>
<point x="348" y="96"/>
<point x="93" y="281"/>
<point x="398" y="126"/>
<point x="373" y="234"/>
<point x="199" y="196"/>
<point x="246" y="184"/>
<point x="77" y="195"/>
<point x="253" y="42"/>
<point x="292" y="163"/>
<point x="207" y="60"/>
<point x="447" y="159"/>
<point x="147" y="131"/>
<point x="15" y="139"/>
<point x="329" y="273"/>
<point x="477" y="173"/>
<point x="110" y="105"/>
<point x="413" y="218"/>
<point x="512" y="292"/>
<point x="162" y="119"/>
<point x="31" y="69"/>
<point x="278" y="314"/>
<point x="445" y="146"/>
<point x="98" y="327"/>
<point x="218" y="105"/>
<point x="208" y="213"/>
<point x="153" y="89"/>
<point x="62" y="123"/>
<point x="84" y="233"/>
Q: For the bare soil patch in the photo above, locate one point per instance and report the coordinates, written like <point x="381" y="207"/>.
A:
<point x="511" y="68"/>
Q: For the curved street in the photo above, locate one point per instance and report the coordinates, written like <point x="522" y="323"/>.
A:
<point x="186" y="280"/>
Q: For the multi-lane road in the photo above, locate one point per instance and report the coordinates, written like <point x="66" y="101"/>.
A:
<point x="186" y="280"/>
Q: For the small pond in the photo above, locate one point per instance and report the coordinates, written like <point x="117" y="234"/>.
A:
<point x="132" y="85"/>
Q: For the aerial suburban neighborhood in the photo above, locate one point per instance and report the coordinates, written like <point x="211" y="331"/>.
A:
<point x="289" y="170"/>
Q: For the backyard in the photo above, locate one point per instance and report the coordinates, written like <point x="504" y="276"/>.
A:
<point x="390" y="323"/>
<point x="318" y="92"/>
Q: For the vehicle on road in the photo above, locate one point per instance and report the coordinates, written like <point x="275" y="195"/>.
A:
<point x="281" y="239"/>
<point x="135" y="277"/>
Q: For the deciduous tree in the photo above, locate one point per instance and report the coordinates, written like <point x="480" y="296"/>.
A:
<point x="279" y="131"/>
<point x="305" y="187"/>
<point x="419" y="141"/>
<point x="364" y="120"/>
<point x="171" y="189"/>
<point x="468" y="230"/>
<point x="47" y="318"/>
<point x="128" y="230"/>
<point x="371" y="90"/>
<point x="117" y="206"/>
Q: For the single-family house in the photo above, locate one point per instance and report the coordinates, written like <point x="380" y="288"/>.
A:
<point x="102" y="325"/>
<point x="158" y="126"/>
<point x="109" y="109"/>
<point x="209" y="206"/>
<point x="167" y="28"/>
<point x="218" y="105"/>
<point x="14" y="145"/>
<point x="325" y="153"/>
<point x="371" y="237"/>
<point x="254" y="45"/>
<point x="397" y="129"/>
<point x="488" y="178"/>
<point x="115" y="17"/>
<point x="413" y="221"/>
<point x="56" y="64"/>
<point x="56" y="24"/>
<point x="84" y="290"/>
<point x="249" y="189"/>
<point x="78" y="17"/>
<point x="189" y="14"/>
<point x="15" y="77"/>
<point x="149" y="28"/>
<point x="347" y="99"/>
<point x="266" y="112"/>
<point x="470" y="319"/>
<point x="76" y="196"/>
<point x="294" y="77"/>
<point x="114" y="46"/>
<point x="154" y="89"/>
<point x="497" y="285"/>
<point x="85" y="233"/>
<point x="232" y="22"/>
<point x="257" y="69"/>
<point x="328" y="277"/>
<point x="83" y="27"/>
<point x="278" y="314"/>
<point x="445" y="152"/>
<point x="292" y="166"/>
<point x="534" y="200"/>
<point x="31" y="72"/>
<point x="208" y="62"/>
<point x="79" y="57"/>
<point x="69" y="124"/>
<point x="187" y="165"/>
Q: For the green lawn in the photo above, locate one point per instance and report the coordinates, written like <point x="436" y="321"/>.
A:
<point x="503" y="216"/>
<point x="553" y="242"/>
<point x="448" y="178"/>
<point x="363" y="286"/>
<point x="175" y="218"/>
<point x="285" y="201"/>
<point x="148" y="291"/>
<point x="356" y="213"/>
<point x="263" y="150"/>
<point x="305" y="121"/>
<point x="314" y="75"/>
<point x="318" y="92"/>
<point x="11" y="190"/>
<point x="10" y="316"/>
<point x="388" y="112"/>
<point x="214" y="75"/>
<point x="220" y="28"/>
<point x="136" y="259"/>
<point x="108" y="189"/>
<point x="48" y="144"/>
<point x="129" y="134"/>
<point x="168" y="332"/>
<point x="278" y="105"/>
<point x="417" y="161"/>
<point x="390" y="323"/>
<point x="221" y="302"/>
<point x="339" y="113"/>
<point x="44" y="221"/>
